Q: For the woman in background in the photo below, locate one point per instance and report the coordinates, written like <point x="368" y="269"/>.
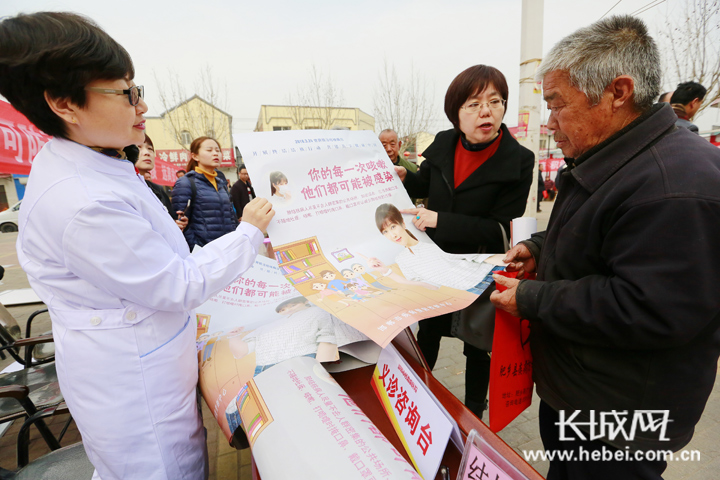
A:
<point x="145" y="164"/>
<point x="477" y="178"/>
<point x="211" y="214"/>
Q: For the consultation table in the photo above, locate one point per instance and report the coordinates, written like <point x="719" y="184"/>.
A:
<point x="357" y="385"/>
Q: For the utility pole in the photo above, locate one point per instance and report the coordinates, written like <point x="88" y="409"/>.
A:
<point x="530" y="93"/>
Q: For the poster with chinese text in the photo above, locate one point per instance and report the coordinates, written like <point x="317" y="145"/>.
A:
<point x="340" y="236"/>
<point x="257" y="322"/>
<point x="317" y="431"/>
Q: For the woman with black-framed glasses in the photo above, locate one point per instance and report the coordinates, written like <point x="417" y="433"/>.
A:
<point x="106" y="258"/>
<point x="476" y="178"/>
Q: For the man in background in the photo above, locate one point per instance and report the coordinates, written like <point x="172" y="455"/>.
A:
<point x="242" y="192"/>
<point x="391" y="144"/>
<point x="686" y="101"/>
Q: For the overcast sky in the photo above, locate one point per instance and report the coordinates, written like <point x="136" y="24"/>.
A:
<point x="262" y="50"/>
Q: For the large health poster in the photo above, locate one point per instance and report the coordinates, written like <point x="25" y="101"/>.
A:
<point x="260" y="321"/>
<point x="340" y="236"/>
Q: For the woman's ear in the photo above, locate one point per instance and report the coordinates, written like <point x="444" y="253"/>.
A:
<point x="63" y="108"/>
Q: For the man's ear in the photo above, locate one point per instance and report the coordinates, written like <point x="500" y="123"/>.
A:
<point x="63" y="108"/>
<point x="622" y="89"/>
<point x="695" y="104"/>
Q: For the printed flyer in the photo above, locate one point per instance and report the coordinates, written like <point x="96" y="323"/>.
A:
<point x="258" y="322"/>
<point x="312" y="429"/>
<point x="340" y="236"/>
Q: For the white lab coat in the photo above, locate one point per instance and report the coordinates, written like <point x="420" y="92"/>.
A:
<point x="120" y="283"/>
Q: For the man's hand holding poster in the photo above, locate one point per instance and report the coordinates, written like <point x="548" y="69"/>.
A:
<point x="341" y="238"/>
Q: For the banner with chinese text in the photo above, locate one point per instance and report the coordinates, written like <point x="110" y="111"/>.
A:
<point x="180" y="157"/>
<point x="21" y="141"/>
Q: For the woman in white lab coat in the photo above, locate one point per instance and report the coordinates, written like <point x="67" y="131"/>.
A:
<point x="103" y="254"/>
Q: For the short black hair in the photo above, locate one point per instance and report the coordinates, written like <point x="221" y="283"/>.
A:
<point x="242" y="167"/>
<point x="687" y="92"/>
<point x="470" y="82"/>
<point x="59" y="53"/>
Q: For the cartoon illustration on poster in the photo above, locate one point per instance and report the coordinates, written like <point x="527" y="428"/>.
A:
<point x="258" y="322"/>
<point x="341" y="237"/>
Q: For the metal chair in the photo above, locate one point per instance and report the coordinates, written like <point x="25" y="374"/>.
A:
<point x="10" y="334"/>
<point x="25" y="392"/>
<point x="67" y="463"/>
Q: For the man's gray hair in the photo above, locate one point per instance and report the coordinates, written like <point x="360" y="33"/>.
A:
<point x="596" y="55"/>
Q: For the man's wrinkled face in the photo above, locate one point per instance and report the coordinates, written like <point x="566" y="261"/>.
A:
<point x="578" y="126"/>
<point x="391" y="144"/>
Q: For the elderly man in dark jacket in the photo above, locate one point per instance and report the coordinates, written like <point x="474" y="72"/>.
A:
<point x="625" y="309"/>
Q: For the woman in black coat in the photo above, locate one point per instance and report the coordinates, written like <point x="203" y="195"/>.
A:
<point x="211" y="214"/>
<point x="477" y="178"/>
<point x="144" y="165"/>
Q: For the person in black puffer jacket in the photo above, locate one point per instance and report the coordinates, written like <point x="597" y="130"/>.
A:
<point x="211" y="212"/>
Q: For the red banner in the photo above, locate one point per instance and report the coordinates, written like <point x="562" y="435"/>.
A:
<point x="551" y="164"/>
<point x="164" y="173"/>
<point x="180" y="158"/>
<point x="21" y="141"/>
<point x="511" y="384"/>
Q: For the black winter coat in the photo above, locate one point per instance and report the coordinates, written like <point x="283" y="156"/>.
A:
<point x="211" y="212"/>
<point x="469" y="217"/>
<point x="625" y="313"/>
<point x="240" y="196"/>
<point x="163" y="197"/>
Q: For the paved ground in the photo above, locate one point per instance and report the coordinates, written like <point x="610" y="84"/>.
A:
<point x="228" y="463"/>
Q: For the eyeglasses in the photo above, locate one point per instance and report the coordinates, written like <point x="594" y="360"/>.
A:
<point x="474" y="107"/>
<point x="134" y="93"/>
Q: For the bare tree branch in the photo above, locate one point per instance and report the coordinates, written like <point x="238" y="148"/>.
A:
<point x="316" y="104"/>
<point x="197" y="120"/>
<point x="691" y="43"/>
<point x="403" y="105"/>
